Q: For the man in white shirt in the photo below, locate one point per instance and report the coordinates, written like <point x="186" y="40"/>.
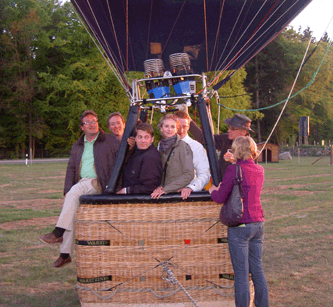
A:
<point x="200" y="159"/>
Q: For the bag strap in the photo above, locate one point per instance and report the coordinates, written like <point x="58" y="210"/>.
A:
<point x="166" y="164"/>
<point x="239" y="179"/>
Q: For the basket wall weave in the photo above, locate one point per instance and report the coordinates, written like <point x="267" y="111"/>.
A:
<point x="141" y="236"/>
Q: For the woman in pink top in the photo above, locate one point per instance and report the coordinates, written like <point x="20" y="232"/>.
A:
<point x="245" y="241"/>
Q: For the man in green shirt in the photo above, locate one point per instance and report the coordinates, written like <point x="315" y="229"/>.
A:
<point x="88" y="172"/>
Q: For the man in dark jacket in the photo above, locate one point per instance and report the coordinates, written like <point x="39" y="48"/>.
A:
<point x="239" y="125"/>
<point x="88" y="172"/>
<point x="143" y="172"/>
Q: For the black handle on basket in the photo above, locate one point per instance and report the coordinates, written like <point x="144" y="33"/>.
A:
<point x="209" y="141"/>
<point x="131" y="121"/>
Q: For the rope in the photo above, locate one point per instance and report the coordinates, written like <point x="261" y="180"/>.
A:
<point x="315" y="48"/>
<point x="294" y="95"/>
<point x="285" y="105"/>
<point x="170" y="277"/>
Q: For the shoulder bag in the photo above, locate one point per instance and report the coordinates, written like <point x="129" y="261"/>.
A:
<point x="232" y="210"/>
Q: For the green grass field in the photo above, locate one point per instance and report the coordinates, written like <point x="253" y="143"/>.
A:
<point x="298" y="235"/>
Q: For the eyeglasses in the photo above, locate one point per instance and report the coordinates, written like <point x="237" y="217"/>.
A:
<point x="94" y="122"/>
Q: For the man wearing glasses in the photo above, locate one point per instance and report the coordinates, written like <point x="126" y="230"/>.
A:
<point x="88" y="172"/>
<point x="239" y="125"/>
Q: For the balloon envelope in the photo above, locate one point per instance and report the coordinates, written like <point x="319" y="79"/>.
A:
<point x="217" y="34"/>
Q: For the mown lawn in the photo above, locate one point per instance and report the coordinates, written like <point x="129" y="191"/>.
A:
<point x="297" y="200"/>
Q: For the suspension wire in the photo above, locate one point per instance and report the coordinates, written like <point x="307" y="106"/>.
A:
<point x="149" y="27"/>
<point x="321" y="39"/>
<point x="127" y="34"/>
<point x="114" y="34"/>
<point x="218" y="112"/>
<point x="230" y="35"/>
<point x="246" y="49"/>
<point x="308" y="85"/>
<point x="294" y="95"/>
<point x="128" y="43"/>
<point x="217" y="76"/>
<point x="112" y="66"/>
<point x="118" y="69"/>
<point x="235" y="44"/>
<point x="242" y="22"/>
<point x="291" y="90"/>
<point x="206" y="34"/>
<point x="249" y="46"/>
<point x="217" y="36"/>
<point x="173" y="26"/>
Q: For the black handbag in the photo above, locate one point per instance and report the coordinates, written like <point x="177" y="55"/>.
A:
<point x="232" y="210"/>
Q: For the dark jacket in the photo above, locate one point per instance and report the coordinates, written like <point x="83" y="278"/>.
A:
<point x="222" y="143"/>
<point x="143" y="172"/>
<point x="105" y="150"/>
<point x="253" y="179"/>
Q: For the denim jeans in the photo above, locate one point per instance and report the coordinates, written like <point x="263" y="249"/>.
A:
<point x="246" y="247"/>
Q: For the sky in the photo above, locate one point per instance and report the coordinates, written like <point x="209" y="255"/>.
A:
<point x="317" y="15"/>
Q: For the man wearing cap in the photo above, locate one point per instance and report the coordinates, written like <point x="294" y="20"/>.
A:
<point x="239" y="125"/>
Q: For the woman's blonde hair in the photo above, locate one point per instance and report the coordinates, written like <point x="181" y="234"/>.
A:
<point x="166" y="117"/>
<point x="244" y="147"/>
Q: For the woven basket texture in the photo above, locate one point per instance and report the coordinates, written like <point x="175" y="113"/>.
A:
<point x="144" y="239"/>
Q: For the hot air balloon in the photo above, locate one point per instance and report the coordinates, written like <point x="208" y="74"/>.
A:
<point x="174" y="43"/>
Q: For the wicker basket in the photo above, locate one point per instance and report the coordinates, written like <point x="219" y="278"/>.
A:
<point x="133" y="253"/>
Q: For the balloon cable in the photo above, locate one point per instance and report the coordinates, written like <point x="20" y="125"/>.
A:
<point x="244" y="49"/>
<point x="278" y="103"/>
<point x="291" y="90"/>
<point x="112" y="66"/>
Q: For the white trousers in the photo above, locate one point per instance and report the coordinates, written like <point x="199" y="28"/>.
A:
<point x="70" y="206"/>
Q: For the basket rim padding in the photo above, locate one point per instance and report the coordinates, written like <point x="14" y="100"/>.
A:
<point x="101" y="199"/>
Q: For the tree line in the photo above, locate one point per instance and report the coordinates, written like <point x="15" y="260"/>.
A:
<point x="51" y="71"/>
